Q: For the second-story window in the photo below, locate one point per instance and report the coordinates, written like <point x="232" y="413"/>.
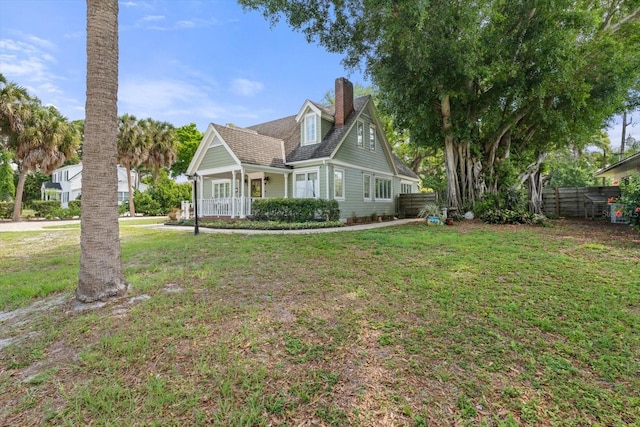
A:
<point x="360" y="134"/>
<point x="372" y="138"/>
<point x="310" y="132"/>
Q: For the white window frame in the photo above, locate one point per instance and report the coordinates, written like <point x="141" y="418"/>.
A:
<point x="372" y="137"/>
<point x="380" y="191"/>
<point x="225" y="184"/>
<point x="366" y="187"/>
<point x="360" y="134"/>
<point x="342" y="174"/>
<point x="406" y="185"/>
<point x="306" y="173"/>
<point x="308" y="139"/>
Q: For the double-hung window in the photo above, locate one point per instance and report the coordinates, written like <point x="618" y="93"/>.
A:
<point x="221" y="189"/>
<point x="360" y="134"/>
<point x="310" y="131"/>
<point x="383" y="189"/>
<point x="372" y="138"/>
<point x="338" y="184"/>
<point x="366" y="187"/>
<point x="406" y="188"/>
<point x="306" y="185"/>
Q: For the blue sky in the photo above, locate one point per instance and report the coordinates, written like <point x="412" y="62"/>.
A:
<point x="180" y="61"/>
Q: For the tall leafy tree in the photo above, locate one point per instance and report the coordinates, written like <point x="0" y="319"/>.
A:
<point x="163" y="145"/>
<point x="45" y="141"/>
<point x="188" y="139"/>
<point x="495" y="84"/>
<point x="101" y="276"/>
<point x="133" y="148"/>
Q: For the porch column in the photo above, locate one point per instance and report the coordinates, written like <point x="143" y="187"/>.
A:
<point x="243" y="213"/>
<point x="286" y="185"/>
<point x="233" y="193"/>
<point x="201" y="202"/>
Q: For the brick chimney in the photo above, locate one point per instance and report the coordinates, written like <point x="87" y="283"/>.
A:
<point x="344" y="101"/>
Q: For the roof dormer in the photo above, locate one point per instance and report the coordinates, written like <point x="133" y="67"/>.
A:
<point x="310" y="119"/>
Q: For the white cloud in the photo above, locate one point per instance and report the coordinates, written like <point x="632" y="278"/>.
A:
<point x="179" y="102"/>
<point x="25" y="62"/>
<point x="150" y="18"/>
<point x="45" y="44"/>
<point x="186" y="24"/>
<point x="244" y="87"/>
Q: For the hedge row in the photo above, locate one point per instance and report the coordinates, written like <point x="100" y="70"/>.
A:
<point x="42" y="208"/>
<point x="295" y="210"/>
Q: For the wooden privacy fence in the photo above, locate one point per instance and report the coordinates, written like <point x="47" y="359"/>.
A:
<point x="410" y="204"/>
<point x="571" y="201"/>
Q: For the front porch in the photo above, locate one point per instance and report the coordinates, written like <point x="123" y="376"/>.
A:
<point x="231" y="193"/>
<point x="226" y="207"/>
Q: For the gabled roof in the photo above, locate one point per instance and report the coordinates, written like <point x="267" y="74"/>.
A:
<point x="252" y="148"/>
<point x="331" y="141"/>
<point x="327" y="113"/>
<point x="277" y="143"/>
<point x="629" y="164"/>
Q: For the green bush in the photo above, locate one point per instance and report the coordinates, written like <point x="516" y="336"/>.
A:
<point x="73" y="204"/>
<point x="6" y="210"/>
<point x="68" y="213"/>
<point x="146" y="205"/>
<point x="44" y="208"/>
<point x="630" y="198"/>
<point x="295" y="210"/>
<point x="167" y="193"/>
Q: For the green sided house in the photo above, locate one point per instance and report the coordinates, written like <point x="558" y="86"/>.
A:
<point x="337" y="152"/>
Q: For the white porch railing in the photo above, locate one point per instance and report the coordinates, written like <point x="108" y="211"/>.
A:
<point x="229" y="206"/>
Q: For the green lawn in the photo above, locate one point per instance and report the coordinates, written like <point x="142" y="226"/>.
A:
<point x="409" y="325"/>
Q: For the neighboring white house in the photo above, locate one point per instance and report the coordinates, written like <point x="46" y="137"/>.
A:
<point x="66" y="184"/>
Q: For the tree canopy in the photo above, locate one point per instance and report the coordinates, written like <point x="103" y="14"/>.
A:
<point x="496" y="84"/>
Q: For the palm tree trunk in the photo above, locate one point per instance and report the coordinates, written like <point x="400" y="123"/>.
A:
<point x="132" y="208"/>
<point x="17" y="204"/>
<point x="101" y="276"/>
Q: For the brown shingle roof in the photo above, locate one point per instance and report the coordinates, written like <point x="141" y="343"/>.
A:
<point x="253" y="148"/>
<point x="286" y="129"/>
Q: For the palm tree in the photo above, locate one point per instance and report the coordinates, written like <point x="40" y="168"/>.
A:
<point x="133" y="148"/>
<point x="101" y="276"/>
<point x="13" y="99"/>
<point x="46" y="140"/>
<point x="163" y="150"/>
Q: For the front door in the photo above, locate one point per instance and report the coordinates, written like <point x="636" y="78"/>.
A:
<point x="256" y="188"/>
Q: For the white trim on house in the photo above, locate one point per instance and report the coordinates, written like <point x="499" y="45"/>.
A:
<point x="211" y="136"/>
<point x="305" y="172"/>
<point x="310" y="136"/>
<point x="364" y="169"/>
<point x="308" y="105"/>
<point x="340" y="197"/>
<point x="365" y="197"/>
<point x="359" y="137"/>
<point x="375" y="189"/>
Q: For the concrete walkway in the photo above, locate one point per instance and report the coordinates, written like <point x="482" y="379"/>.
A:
<point x="36" y="225"/>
